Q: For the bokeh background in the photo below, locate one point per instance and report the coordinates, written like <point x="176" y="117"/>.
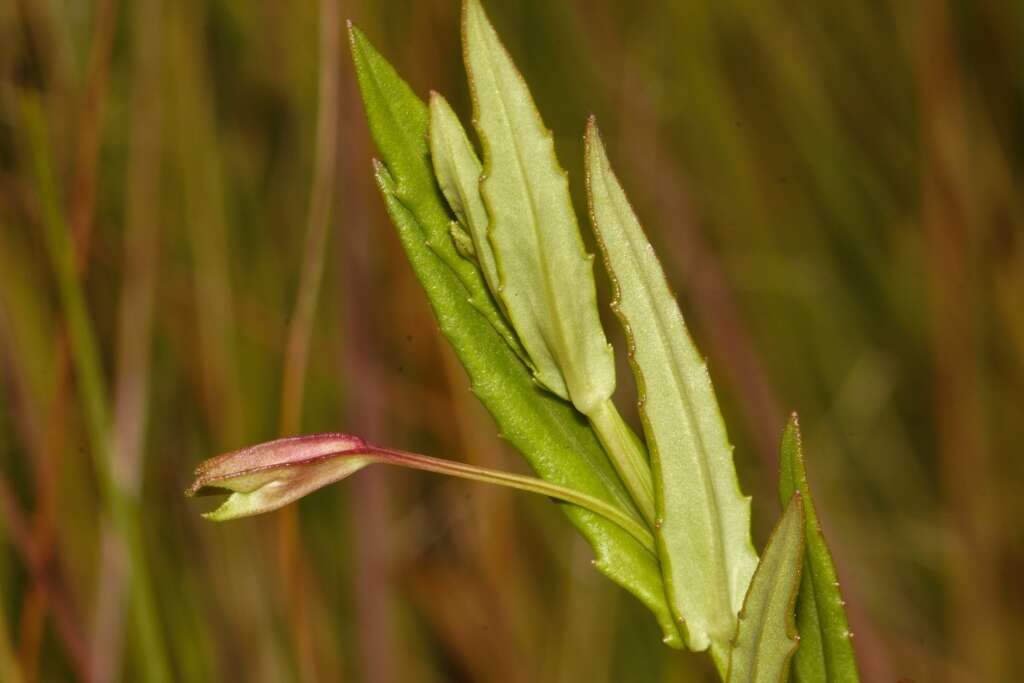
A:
<point x="834" y="188"/>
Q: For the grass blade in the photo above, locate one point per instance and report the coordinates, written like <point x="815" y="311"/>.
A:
<point x="767" y="635"/>
<point x="704" y="520"/>
<point x="826" y="645"/>
<point x="121" y="504"/>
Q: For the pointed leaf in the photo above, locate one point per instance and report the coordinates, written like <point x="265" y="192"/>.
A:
<point x="550" y="434"/>
<point x="767" y="635"/>
<point x="269" y="475"/>
<point x="704" y="520"/>
<point x="547" y="278"/>
<point x="826" y="645"/>
<point x="458" y="173"/>
<point x="556" y="442"/>
<point x="398" y="121"/>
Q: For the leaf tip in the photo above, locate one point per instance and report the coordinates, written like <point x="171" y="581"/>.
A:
<point x="355" y="37"/>
<point x="793" y="427"/>
<point x="592" y="131"/>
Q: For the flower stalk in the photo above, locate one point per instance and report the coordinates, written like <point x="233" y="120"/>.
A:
<point x="270" y="475"/>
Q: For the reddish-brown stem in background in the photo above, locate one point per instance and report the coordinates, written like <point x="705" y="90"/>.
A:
<point x="82" y="201"/>
<point x="131" y="392"/>
<point x="297" y="577"/>
<point x="48" y="578"/>
<point x="948" y="215"/>
<point x="372" y="586"/>
<point x="81" y="211"/>
<point x="48" y="591"/>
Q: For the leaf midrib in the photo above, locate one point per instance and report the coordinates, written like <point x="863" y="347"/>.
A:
<point x="773" y="598"/>
<point x="552" y="300"/>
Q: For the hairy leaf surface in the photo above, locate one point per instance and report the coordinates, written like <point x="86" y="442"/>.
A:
<point x="826" y="645"/>
<point x="559" y="445"/>
<point x="767" y="636"/>
<point x="546" y="276"/>
<point x="707" y="557"/>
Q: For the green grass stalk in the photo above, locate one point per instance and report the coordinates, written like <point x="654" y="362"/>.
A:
<point x="135" y="323"/>
<point x="121" y="505"/>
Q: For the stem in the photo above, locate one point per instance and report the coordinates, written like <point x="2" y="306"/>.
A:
<point x="720" y="655"/>
<point x="522" y="483"/>
<point x="135" y="328"/>
<point x="300" y="330"/>
<point x="9" y="668"/>
<point x="121" y="505"/>
<point x="296" y="576"/>
<point x="627" y="455"/>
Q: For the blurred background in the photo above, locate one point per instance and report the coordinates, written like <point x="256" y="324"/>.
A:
<point x="193" y="259"/>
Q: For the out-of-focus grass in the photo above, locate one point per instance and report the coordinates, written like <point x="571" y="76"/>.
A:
<point x="834" y="188"/>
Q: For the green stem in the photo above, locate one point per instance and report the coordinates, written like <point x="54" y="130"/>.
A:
<point x="627" y="455"/>
<point x="522" y="483"/>
<point x="720" y="655"/>
<point x="120" y="504"/>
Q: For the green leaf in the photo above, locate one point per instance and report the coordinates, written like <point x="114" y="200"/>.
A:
<point x="556" y="442"/>
<point x="547" y="278"/>
<point x="826" y="645"/>
<point x="552" y="436"/>
<point x="767" y="636"/>
<point x="703" y="529"/>
<point x="270" y="475"/>
<point x="458" y="173"/>
<point x="398" y="120"/>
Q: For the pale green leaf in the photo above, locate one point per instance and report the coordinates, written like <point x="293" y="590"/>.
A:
<point x="767" y="635"/>
<point x="546" y="276"/>
<point x="458" y="173"/>
<point x="703" y="519"/>
<point x="552" y="436"/>
<point x="826" y="645"/>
